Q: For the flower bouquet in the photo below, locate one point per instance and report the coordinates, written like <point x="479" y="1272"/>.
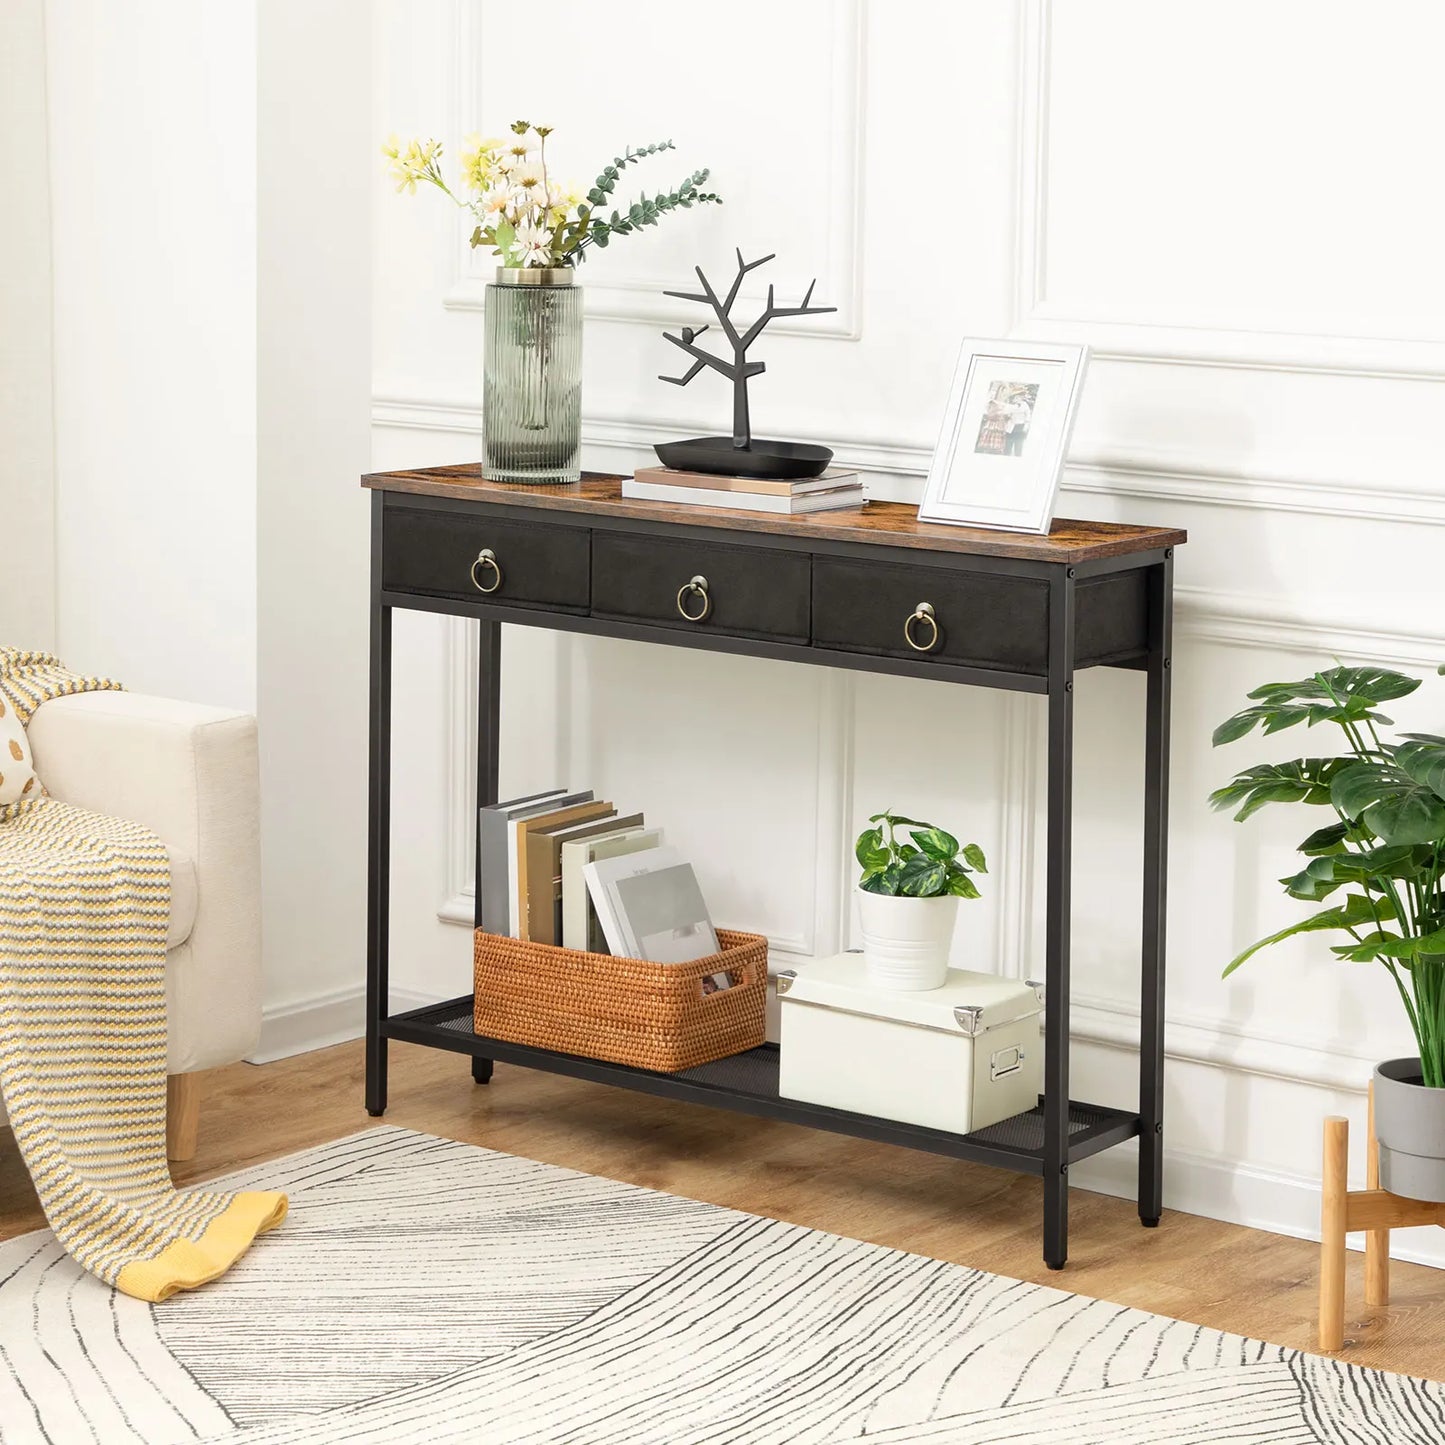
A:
<point x="540" y="231"/>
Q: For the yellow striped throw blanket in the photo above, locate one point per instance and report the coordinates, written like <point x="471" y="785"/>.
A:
<point x="84" y="908"/>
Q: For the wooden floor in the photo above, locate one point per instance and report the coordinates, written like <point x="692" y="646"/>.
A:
<point x="1195" y="1269"/>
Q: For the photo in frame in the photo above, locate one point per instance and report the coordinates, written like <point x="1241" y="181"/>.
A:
<point x="1000" y="453"/>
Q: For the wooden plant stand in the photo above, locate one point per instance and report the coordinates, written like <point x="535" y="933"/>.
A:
<point x="1372" y="1209"/>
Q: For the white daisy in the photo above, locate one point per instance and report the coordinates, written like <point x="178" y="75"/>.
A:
<point x="533" y="245"/>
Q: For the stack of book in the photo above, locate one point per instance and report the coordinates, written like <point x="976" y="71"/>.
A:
<point x="562" y="868"/>
<point x="833" y="490"/>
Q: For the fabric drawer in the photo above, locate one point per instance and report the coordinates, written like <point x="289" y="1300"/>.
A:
<point x="982" y="619"/>
<point x="441" y="553"/>
<point x="740" y="591"/>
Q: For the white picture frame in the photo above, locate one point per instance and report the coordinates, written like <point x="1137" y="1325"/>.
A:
<point x="1001" y="449"/>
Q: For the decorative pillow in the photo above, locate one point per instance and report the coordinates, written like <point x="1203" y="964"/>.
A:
<point x="17" y="770"/>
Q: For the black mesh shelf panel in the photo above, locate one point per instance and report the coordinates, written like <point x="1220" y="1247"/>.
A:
<point x="455" y="1017"/>
<point x="749" y="1082"/>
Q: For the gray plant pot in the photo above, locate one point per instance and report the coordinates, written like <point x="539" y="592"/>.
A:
<point x="1410" y="1125"/>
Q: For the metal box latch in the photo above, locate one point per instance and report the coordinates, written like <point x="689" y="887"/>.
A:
<point x="1003" y="1062"/>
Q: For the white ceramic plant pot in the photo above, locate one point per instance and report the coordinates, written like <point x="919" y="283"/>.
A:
<point x="905" y="940"/>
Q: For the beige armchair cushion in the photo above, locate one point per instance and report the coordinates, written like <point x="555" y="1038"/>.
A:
<point x="185" y="898"/>
<point x="190" y="774"/>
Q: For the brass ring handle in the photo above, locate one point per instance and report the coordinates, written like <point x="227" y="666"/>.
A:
<point x="486" y="558"/>
<point x="696" y="588"/>
<point x="922" y="613"/>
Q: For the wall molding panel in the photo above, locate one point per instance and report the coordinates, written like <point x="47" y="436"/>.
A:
<point x="1113" y="337"/>
<point x="1022" y="721"/>
<point x="1138" y="475"/>
<point x="638" y="298"/>
<point x="1223" y="1045"/>
<point x="1269" y="624"/>
<point x="459" y="845"/>
<point x="825" y="916"/>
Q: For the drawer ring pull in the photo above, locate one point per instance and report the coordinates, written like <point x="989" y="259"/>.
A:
<point x="920" y="614"/>
<point x="486" y="558"/>
<point x="696" y="588"/>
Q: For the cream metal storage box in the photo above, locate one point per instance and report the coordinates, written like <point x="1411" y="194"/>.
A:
<point x="959" y="1058"/>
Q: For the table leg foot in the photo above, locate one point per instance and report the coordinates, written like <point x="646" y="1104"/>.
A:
<point x="481" y="1071"/>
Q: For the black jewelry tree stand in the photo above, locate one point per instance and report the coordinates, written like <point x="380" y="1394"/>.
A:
<point x="739" y="455"/>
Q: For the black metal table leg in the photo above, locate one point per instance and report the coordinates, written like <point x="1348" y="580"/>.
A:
<point x="1057" y="919"/>
<point x="378" y="892"/>
<point x="489" y="716"/>
<point x="1156" y="836"/>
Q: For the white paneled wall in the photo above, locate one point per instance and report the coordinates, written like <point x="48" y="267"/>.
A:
<point x="1186" y="188"/>
<point x="153" y="239"/>
<point x="27" y="423"/>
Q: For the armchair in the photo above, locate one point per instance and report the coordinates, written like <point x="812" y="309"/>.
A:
<point x="190" y="774"/>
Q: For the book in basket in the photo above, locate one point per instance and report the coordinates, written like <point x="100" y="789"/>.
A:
<point x="650" y="906"/>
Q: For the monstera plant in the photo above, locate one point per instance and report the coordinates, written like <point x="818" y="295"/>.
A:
<point x="1377" y="863"/>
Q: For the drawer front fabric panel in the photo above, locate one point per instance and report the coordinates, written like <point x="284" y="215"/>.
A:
<point x="982" y="619"/>
<point x="746" y="592"/>
<point x="530" y="566"/>
<point x="1111" y="618"/>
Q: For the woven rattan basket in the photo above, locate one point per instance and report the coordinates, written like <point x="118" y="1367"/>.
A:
<point x="625" y="1010"/>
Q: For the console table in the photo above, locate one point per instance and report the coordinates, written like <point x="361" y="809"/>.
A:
<point x="872" y="589"/>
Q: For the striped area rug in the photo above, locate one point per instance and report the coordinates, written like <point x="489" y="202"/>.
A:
<point x="429" y="1292"/>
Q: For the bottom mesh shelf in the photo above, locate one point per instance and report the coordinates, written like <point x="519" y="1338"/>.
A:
<point x="749" y="1082"/>
<point x="756" y="1072"/>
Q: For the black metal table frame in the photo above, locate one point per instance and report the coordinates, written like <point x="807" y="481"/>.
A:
<point x="1060" y="1146"/>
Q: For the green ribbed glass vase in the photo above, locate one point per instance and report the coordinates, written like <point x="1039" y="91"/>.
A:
<point x="532" y="400"/>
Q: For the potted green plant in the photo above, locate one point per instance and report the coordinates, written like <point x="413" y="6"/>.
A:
<point x="908" y="899"/>
<point x="1381" y="861"/>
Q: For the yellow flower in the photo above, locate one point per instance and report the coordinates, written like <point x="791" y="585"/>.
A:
<point x="416" y="163"/>
<point x="479" y="160"/>
<point x="476" y="167"/>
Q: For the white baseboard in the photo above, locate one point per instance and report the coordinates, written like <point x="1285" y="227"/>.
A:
<point x="318" y="1022"/>
<point x="311" y="1023"/>
<point x="1245" y="1194"/>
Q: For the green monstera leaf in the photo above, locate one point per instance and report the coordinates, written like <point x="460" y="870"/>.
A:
<point x="1422" y="757"/>
<point x="1355" y="912"/>
<point x="1306" y="780"/>
<point x="1390" y="803"/>
<point x="1343" y="695"/>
